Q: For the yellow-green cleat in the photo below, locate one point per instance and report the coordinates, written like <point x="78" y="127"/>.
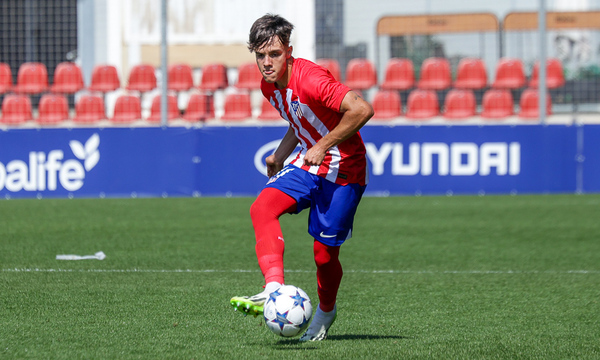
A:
<point x="249" y="305"/>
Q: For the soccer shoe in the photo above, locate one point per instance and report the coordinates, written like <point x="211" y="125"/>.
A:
<point x="319" y="327"/>
<point x="249" y="305"/>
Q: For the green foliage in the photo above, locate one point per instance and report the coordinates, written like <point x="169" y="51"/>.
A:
<point x="588" y="72"/>
<point x="494" y="277"/>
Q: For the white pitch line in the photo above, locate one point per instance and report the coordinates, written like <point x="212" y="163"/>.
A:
<point x="407" y="272"/>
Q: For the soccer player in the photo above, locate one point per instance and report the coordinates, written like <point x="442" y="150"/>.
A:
<point x="329" y="174"/>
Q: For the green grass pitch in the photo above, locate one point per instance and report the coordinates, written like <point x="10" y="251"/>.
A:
<point x="493" y="277"/>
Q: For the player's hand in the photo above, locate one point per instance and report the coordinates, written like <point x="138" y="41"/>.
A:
<point x="314" y="156"/>
<point x="273" y="166"/>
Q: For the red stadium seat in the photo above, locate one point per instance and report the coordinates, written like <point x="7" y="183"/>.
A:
<point x="128" y="108"/>
<point x="142" y="78"/>
<point x="435" y="74"/>
<point x="529" y="104"/>
<point x="510" y="74"/>
<point x="555" y="77"/>
<point x="360" y="74"/>
<point x="200" y="107"/>
<point x="399" y="75"/>
<point x="237" y="107"/>
<point x="180" y="77"/>
<point x="386" y="104"/>
<point x="459" y="104"/>
<point x="32" y="78"/>
<point x="497" y="104"/>
<point x="53" y="109"/>
<point x="268" y="111"/>
<point x="67" y="78"/>
<point x="333" y="66"/>
<point x="155" y="109"/>
<point x="471" y="74"/>
<point x="89" y="109"/>
<point x="249" y="77"/>
<point x="214" y="77"/>
<point x="105" y="79"/>
<point x="422" y="104"/>
<point x="16" y="109"/>
<point x="5" y="78"/>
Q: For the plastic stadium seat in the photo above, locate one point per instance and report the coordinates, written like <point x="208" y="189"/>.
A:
<point x="422" y="104"/>
<point x="5" y="78"/>
<point x="67" y="78"/>
<point x="249" y="77"/>
<point x="105" y="79"/>
<point x="386" y="104"/>
<point x="360" y="74"/>
<point x="53" y="109"/>
<point x="510" y="74"/>
<point x="459" y="104"/>
<point x="32" y="78"/>
<point x="399" y="74"/>
<point x="214" y="77"/>
<point x="471" y="74"/>
<point x="200" y="107"/>
<point x="142" y="78"/>
<point x="89" y="109"/>
<point x="497" y="104"/>
<point x="16" y="109"/>
<point x="128" y="108"/>
<point x="180" y="77"/>
<point x="435" y="74"/>
<point x="268" y="111"/>
<point x="555" y="77"/>
<point x="332" y="65"/>
<point x="529" y="104"/>
<point x="155" y="109"/>
<point x="237" y="107"/>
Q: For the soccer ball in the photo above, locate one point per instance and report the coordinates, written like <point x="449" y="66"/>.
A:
<point x="288" y="311"/>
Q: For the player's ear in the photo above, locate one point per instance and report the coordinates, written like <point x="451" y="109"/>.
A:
<point x="288" y="53"/>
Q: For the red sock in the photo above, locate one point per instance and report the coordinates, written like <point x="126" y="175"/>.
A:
<point x="329" y="274"/>
<point x="265" y="213"/>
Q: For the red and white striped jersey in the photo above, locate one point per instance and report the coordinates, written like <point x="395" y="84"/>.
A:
<point x="311" y="103"/>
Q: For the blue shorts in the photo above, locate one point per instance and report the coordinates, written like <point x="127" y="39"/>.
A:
<point x="332" y="206"/>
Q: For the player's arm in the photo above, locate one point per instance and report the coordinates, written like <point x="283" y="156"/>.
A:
<point x="284" y="150"/>
<point x="356" y="114"/>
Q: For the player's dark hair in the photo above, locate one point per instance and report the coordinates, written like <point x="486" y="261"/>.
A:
<point x="266" y="28"/>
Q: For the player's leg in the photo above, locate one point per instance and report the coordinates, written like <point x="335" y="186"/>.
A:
<point x="265" y="212"/>
<point x="330" y="222"/>
<point x="329" y="277"/>
<point x="287" y="192"/>
<point x="329" y="274"/>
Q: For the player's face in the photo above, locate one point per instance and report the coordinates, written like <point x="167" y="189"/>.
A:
<point x="272" y="62"/>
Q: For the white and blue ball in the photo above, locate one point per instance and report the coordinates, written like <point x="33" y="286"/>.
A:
<point x="288" y="311"/>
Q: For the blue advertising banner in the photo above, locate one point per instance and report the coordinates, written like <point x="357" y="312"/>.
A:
<point x="229" y="161"/>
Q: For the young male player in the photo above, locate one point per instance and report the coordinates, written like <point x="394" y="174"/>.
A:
<point x="328" y="175"/>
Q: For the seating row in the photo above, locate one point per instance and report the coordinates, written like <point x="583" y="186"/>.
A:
<point x="436" y="74"/>
<point x="90" y="108"/>
<point x="32" y="78"/>
<point x="458" y="104"/>
<point x="421" y="104"/>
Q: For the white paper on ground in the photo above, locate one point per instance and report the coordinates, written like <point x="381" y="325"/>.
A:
<point x="97" y="256"/>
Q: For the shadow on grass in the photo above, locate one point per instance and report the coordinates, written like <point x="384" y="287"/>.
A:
<point x="291" y="344"/>
<point x="365" y="337"/>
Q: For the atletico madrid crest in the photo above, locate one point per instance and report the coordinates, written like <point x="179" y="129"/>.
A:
<point x="296" y="108"/>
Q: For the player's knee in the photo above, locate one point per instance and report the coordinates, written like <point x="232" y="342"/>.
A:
<point x="324" y="254"/>
<point x="259" y="210"/>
